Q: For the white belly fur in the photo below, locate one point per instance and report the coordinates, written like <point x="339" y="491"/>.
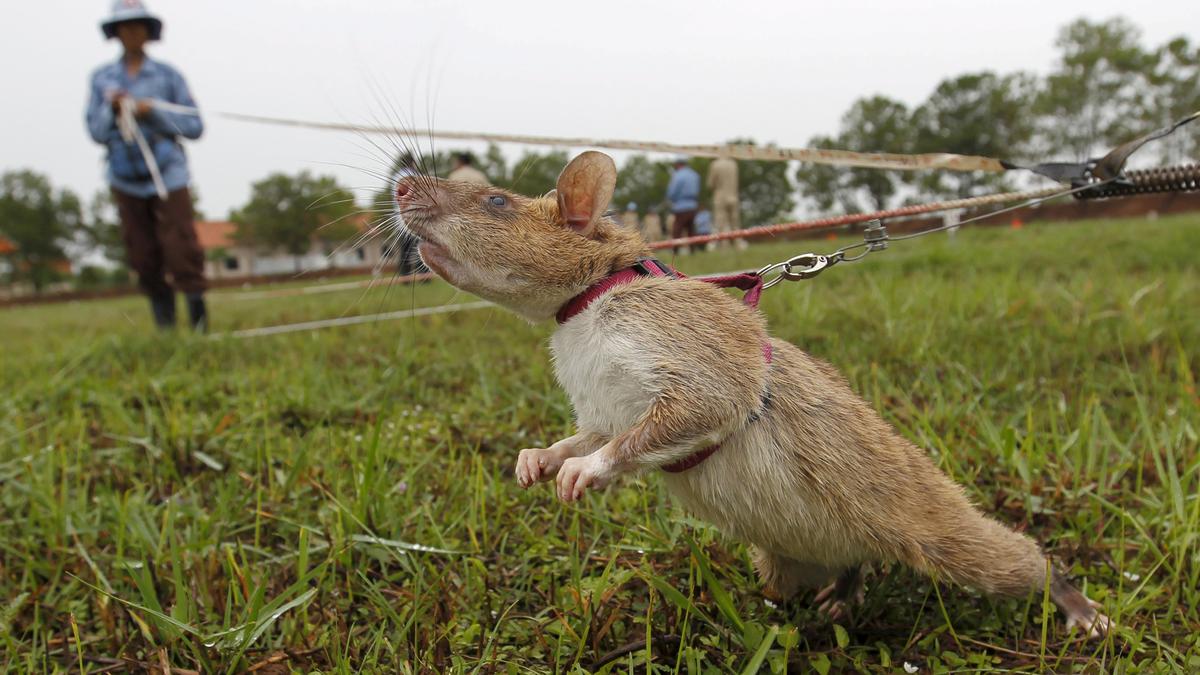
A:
<point x="599" y="372"/>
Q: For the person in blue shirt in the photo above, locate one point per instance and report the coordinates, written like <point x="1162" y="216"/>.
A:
<point x="151" y="197"/>
<point x="683" y="192"/>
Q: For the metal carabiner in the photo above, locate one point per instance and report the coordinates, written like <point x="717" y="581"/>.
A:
<point x="769" y="269"/>
<point x="810" y="264"/>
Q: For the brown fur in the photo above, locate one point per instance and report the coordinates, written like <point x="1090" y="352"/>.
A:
<point x="819" y="483"/>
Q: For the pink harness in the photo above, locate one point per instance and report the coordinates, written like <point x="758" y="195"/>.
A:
<point x="751" y="284"/>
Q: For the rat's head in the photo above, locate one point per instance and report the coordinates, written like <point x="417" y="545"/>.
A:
<point x="528" y="254"/>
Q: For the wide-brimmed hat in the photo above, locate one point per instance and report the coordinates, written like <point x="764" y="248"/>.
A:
<point x="131" y="10"/>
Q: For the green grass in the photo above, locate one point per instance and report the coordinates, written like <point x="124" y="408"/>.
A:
<point x="343" y="500"/>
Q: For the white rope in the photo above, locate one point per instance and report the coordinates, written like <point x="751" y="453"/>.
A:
<point x="315" y="290"/>
<point x="872" y="160"/>
<point x="374" y="318"/>
<point x="130" y="132"/>
<point x="352" y="320"/>
<point x="176" y="108"/>
<point x="833" y="157"/>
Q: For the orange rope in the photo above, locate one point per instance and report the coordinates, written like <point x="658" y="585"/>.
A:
<point x="835" y="221"/>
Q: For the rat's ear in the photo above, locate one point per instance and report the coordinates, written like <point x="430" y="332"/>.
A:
<point x="585" y="188"/>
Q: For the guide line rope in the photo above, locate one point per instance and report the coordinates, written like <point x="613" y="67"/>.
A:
<point x="1109" y="166"/>
<point x="868" y="160"/>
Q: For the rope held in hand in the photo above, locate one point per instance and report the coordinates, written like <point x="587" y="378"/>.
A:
<point x="130" y="132"/>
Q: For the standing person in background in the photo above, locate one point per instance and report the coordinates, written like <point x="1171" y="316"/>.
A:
<point x="727" y="206"/>
<point x="684" y="194"/>
<point x="465" y="171"/>
<point x="156" y="210"/>
<point x="704" y="226"/>
<point x="652" y="229"/>
<point x="629" y="219"/>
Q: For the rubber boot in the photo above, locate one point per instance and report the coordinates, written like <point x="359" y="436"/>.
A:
<point x="162" y="305"/>
<point x="197" y="312"/>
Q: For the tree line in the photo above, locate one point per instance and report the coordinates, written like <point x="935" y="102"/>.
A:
<point x="1104" y="88"/>
<point x="767" y="194"/>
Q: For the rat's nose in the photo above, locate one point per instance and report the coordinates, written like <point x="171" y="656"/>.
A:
<point x="402" y="189"/>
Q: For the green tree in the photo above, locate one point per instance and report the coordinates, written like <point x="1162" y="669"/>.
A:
<point x="873" y="124"/>
<point x="643" y="182"/>
<point x="197" y="213"/>
<point x="494" y="166"/>
<point x="290" y="212"/>
<point x="1096" y="97"/>
<point x="827" y="187"/>
<point x="101" y="228"/>
<point x="1176" y="82"/>
<point x="535" y="174"/>
<point x="878" y="124"/>
<point x="39" y="221"/>
<point x="975" y="114"/>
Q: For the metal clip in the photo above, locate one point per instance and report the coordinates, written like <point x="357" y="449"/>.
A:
<point x="775" y="267"/>
<point x="805" y="266"/>
<point x="875" y="235"/>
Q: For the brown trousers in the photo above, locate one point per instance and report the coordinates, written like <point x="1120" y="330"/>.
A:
<point x="160" y="239"/>
<point x="683" y="224"/>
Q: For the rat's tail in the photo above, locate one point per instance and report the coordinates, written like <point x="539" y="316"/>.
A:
<point x="976" y="551"/>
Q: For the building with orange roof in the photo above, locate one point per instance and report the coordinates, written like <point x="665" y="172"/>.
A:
<point x="226" y="257"/>
<point x="6" y="248"/>
<point x="8" y="264"/>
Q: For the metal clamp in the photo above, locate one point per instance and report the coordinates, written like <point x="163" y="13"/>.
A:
<point x="876" y="235"/>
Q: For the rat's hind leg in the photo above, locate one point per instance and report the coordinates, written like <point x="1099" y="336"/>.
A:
<point x="782" y="577"/>
<point x="1082" y="612"/>
<point x="836" y="599"/>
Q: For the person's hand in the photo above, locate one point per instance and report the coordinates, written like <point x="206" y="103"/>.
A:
<point x="115" y="98"/>
<point x="144" y="106"/>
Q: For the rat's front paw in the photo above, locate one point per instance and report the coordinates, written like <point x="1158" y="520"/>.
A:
<point x="537" y="464"/>
<point x="580" y="473"/>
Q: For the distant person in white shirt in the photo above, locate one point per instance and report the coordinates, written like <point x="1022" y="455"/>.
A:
<point x="465" y="171"/>
<point x="727" y="208"/>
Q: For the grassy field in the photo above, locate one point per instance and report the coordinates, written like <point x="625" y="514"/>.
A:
<point x="343" y="500"/>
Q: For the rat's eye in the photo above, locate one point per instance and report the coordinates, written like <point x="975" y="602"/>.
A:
<point x="498" y="201"/>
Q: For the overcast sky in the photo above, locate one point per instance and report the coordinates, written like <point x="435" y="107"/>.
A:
<point x="686" y="72"/>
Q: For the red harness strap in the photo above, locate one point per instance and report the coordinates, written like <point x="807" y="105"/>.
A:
<point x="752" y="284"/>
<point x="691" y="460"/>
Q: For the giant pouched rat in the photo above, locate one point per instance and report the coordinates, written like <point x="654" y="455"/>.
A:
<point x="766" y="442"/>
